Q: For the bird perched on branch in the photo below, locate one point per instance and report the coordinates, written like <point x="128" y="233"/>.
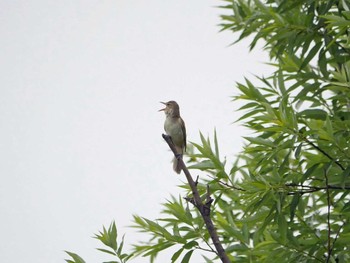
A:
<point x="174" y="126"/>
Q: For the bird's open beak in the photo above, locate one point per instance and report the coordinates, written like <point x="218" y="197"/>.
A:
<point x="164" y="104"/>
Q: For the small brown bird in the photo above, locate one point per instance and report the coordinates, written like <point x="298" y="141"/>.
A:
<point x="174" y="126"/>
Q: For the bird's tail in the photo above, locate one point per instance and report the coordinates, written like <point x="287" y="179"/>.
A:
<point x="176" y="166"/>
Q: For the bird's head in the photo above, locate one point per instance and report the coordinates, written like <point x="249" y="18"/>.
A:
<point x="171" y="108"/>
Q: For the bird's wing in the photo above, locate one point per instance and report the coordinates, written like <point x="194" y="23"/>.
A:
<point x="183" y="127"/>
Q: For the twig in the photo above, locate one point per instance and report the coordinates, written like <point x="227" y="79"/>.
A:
<point x="206" y="249"/>
<point x="196" y="182"/>
<point x="300" y="135"/>
<point x="204" y="209"/>
<point x="329" y="248"/>
<point x="324" y="153"/>
<point x="337" y="235"/>
<point x="226" y="184"/>
<point x="306" y="189"/>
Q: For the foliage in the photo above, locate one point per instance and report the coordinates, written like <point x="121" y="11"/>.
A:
<point x="296" y="172"/>
<point x="286" y="198"/>
<point x="109" y="239"/>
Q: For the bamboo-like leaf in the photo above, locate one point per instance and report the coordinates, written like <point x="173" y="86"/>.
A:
<point x="121" y="245"/>
<point x="187" y="257"/>
<point x="107" y="251"/>
<point x="76" y="258"/>
<point x="281" y="83"/>
<point x="293" y="206"/>
<point x="298" y="151"/>
<point x="282" y="227"/>
<point x="316" y="114"/>
<point x="217" y="154"/>
<point x="260" y="141"/>
<point x="191" y="244"/>
<point x="311" y="55"/>
<point x="176" y="255"/>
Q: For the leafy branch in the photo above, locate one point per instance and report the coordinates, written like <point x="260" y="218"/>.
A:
<point x="203" y="208"/>
<point x="109" y="238"/>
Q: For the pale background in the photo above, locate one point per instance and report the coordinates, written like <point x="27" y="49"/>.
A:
<point x="80" y="86"/>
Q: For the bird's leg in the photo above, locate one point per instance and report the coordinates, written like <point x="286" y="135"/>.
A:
<point x="178" y="156"/>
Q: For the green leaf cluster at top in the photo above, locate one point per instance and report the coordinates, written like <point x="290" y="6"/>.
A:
<point x="301" y="30"/>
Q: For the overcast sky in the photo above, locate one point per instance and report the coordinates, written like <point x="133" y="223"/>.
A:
<point x="80" y="140"/>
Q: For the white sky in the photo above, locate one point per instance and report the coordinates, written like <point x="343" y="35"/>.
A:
<point x="80" y="140"/>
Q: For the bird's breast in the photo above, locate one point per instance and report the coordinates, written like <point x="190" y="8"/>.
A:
<point x="173" y="128"/>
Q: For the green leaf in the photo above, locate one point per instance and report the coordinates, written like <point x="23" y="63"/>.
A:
<point x="156" y="228"/>
<point x="107" y="251"/>
<point x="260" y="141"/>
<point x="203" y="165"/>
<point x="322" y="63"/>
<point x="329" y="127"/>
<point x="207" y="260"/>
<point x="191" y="244"/>
<point x="316" y="114"/>
<point x="176" y="255"/>
<point x="75" y="257"/>
<point x="281" y="83"/>
<point x="311" y="55"/>
<point x="216" y="144"/>
<point x="249" y="105"/>
<point x="176" y="230"/>
<point x="293" y="206"/>
<point x="282" y="227"/>
<point x="298" y="151"/>
<point x="120" y="248"/>
<point x="187" y="257"/>
<point x="112" y="231"/>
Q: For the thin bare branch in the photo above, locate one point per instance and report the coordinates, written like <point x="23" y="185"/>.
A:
<point x="226" y="184"/>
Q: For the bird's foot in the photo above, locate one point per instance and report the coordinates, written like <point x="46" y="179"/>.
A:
<point x="166" y="136"/>
<point x="178" y="156"/>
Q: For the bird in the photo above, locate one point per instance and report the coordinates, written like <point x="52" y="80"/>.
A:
<point x="174" y="126"/>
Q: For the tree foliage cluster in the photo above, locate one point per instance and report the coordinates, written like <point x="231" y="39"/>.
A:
<point x="286" y="198"/>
